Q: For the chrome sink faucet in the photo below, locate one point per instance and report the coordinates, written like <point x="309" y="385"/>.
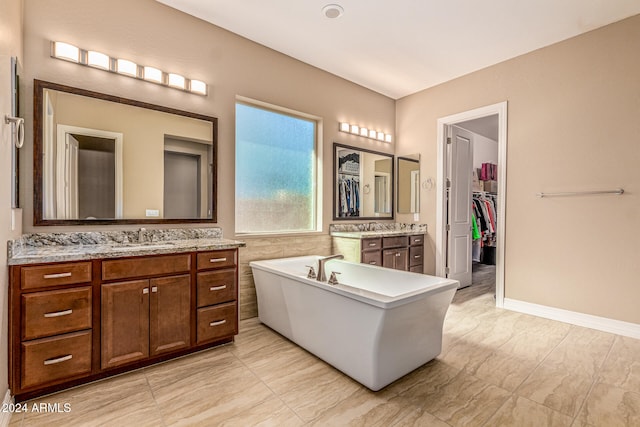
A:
<point x="321" y="276"/>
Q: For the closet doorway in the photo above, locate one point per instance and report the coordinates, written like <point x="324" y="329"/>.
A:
<point x="455" y="192"/>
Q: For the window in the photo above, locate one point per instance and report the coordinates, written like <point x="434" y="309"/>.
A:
<point x="277" y="155"/>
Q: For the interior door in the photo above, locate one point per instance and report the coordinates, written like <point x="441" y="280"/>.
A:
<point x="459" y="170"/>
<point x="181" y="185"/>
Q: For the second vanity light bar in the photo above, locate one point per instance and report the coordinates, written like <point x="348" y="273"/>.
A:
<point x="364" y="132"/>
<point x="69" y="52"/>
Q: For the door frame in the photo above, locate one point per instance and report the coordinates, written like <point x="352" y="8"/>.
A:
<point x="117" y="137"/>
<point x="441" y="208"/>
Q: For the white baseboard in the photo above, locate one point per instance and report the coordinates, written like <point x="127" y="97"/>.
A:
<point x="5" y="416"/>
<point x="580" y="319"/>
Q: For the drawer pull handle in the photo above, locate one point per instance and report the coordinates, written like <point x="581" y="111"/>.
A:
<point x="217" y="259"/>
<point x="417" y="240"/>
<point x="372" y="262"/>
<point x="57" y="275"/>
<point x="372" y="244"/>
<point x="218" y="323"/>
<point x="397" y="253"/>
<point x="416" y="256"/>
<point x="58" y="360"/>
<point x="145" y="290"/>
<point x="58" y="313"/>
<point x="218" y="288"/>
<point x="154" y="289"/>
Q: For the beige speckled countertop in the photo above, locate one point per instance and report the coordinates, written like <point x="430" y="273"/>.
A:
<point x="377" y="233"/>
<point x="57" y="247"/>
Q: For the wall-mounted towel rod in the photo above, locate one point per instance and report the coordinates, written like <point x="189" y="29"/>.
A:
<point x="618" y="191"/>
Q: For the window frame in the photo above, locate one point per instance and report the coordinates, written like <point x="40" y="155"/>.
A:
<point x="317" y="160"/>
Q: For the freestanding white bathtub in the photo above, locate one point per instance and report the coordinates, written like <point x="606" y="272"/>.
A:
<point x="377" y="325"/>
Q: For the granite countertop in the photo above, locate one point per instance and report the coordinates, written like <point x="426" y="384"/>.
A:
<point x="55" y="247"/>
<point x="367" y="230"/>
<point x="368" y="234"/>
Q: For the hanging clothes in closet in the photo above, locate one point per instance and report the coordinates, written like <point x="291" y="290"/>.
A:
<point x="349" y="196"/>
<point x="485" y="219"/>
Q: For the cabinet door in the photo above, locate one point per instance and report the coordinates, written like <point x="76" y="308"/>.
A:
<point x="402" y="261"/>
<point x="125" y="322"/>
<point x="395" y="258"/>
<point x="170" y="309"/>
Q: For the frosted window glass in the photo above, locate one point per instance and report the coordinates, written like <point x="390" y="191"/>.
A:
<point x="275" y="171"/>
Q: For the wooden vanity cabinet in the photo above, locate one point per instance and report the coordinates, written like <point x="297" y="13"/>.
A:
<point x="404" y="252"/>
<point x="146" y="317"/>
<point x="90" y="319"/>
<point x="51" y="324"/>
<point x="416" y="253"/>
<point x="143" y="318"/>
<point x="217" y="295"/>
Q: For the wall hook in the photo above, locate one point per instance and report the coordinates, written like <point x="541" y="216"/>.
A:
<point x="18" y="135"/>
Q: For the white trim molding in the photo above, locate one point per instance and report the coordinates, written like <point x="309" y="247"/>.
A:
<point x="573" y="317"/>
<point x="5" y="416"/>
<point x="501" y="110"/>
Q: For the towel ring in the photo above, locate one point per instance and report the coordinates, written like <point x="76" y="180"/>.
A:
<point x="19" y="135"/>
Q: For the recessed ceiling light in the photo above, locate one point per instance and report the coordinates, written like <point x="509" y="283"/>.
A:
<point x="333" y="11"/>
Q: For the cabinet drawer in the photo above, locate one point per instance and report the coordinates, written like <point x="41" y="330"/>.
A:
<point x="49" y="359"/>
<point x="372" y="258"/>
<point x="370" y="244"/>
<point x="152" y="266"/>
<point x="55" y="312"/>
<point x="395" y="258"/>
<point x="416" y="240"/>
<point x="394" y="242"/>
<point x="217" y="322"/>
<point x="55" y="275"/>
<point x="415" y="255"/>
<point x="215" y="287"/>
<point x="417" y="269"/>
<point x="216" y="259"/>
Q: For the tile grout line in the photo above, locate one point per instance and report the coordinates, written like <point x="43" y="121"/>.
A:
<point x="153" y="396"/>
<point x="267" y="386"/>
<point x="596" y="376"/>
<point x="540" y="364"/>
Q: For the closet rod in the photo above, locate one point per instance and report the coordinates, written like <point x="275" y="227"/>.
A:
<point x="618" y="191"/>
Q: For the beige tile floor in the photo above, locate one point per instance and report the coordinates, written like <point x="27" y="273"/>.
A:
<point x="497" y="368"/>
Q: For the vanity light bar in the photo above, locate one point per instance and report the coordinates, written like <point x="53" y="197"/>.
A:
<point x="364" y="132"/>
<point x="94" y="59"/>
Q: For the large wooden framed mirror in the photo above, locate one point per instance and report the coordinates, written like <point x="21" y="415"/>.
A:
<point x="362" y="184"/>
<point x="102" y="159"/>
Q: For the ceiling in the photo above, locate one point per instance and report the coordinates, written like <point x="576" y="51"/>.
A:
<point x="400" y="47"/>
<point x="485" y="126"/>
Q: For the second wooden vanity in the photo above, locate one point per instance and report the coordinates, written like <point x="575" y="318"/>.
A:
<point x="77" y="321"/>
<point x="391" y="249"/>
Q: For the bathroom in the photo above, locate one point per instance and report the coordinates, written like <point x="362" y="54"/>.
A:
<point x="571" y="126"/>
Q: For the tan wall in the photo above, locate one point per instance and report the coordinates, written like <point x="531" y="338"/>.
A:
<point x="153" y="34"/>
<point x="10" y="45"/>
<point x="270" y="248"/>
<point x="573" y="124"/>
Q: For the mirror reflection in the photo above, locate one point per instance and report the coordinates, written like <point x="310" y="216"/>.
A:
<point x="102" y="159"/>
<point x="363" y="183"/>
<point x="409" y="184"/>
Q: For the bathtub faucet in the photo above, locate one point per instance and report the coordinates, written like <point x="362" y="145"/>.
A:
<point x="321" y="276"/>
